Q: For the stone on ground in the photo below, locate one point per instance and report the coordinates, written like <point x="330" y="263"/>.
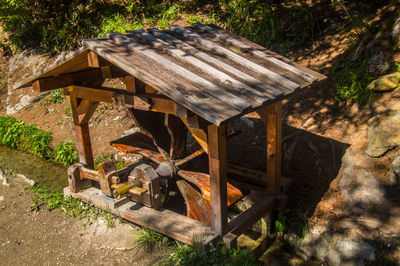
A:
<point x="360" y="188"/>
<point x="386" y="83"/>
<point x="384" y="131"/>
<point x="396" y="164"/>
<point x="120" y="237"/>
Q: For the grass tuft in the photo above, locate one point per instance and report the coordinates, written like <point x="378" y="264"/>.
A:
<point x="182" y="254"/>
<point x="71" y="206"/>
<point x="149" y="240"/>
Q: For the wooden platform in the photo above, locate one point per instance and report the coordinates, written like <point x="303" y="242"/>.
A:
<point x="163" y="221"/>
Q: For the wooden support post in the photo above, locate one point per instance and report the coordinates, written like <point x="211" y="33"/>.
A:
<point x="82" y="110"/>
<point x="230" y="240"/>
<point x="272" y="116"/>
<point x="130" y="84"/>
<point x="218" y="185"/>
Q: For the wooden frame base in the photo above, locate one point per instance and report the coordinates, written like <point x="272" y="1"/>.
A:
<point x="166" y="222"/>
<point x="174" y="225"/>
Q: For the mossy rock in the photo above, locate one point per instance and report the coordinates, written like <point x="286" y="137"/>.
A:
<point x="385" y="83"/>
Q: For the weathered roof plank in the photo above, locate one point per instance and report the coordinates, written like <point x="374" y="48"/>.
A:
<point x="201" y="103"/>
<point x="215" y="74"/>
<point x="234" y="57"/>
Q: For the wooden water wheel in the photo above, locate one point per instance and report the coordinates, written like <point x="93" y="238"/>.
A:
<point x="196" y="79"/>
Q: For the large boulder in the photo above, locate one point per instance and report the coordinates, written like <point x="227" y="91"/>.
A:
<point x="22" y="66"/>
<point x="396" y="164"/>
<point x="384" y="131"/>
<point x="385" y="83"/>
<point x="360" y="189"/>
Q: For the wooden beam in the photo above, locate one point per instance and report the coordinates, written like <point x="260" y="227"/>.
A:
<point x="93" y="60"/>
<point x="85" y="110"/>
<point x="84" y="145"/>
<point x="242" y="222"/>
<point x="272" y="117"/>
<point x="156" y="103"/>
<point x="199" y="134"/>
<point x="218" y="183"/>
<point x="76" y="78"/>
<point x="94" y="94"/>
<point x="164" y="221"/>
<point x="129" y="83"/>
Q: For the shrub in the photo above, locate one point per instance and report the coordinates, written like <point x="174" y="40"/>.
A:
<point x="352" y="81"/>
<point x="66" y="153"/>
<point x="52" y="25"/>
<point x="17" y="134"/>
<point x="118" y="23"/>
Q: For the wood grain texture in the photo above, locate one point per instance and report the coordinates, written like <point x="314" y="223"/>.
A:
<point x="276" y="63"/>
<point x="210" y="72"/>
<point x="242" y="222"/>
<point x="218" y="179"/>
<point x="287" y="85"/>
<point x="272" y="117"/>
<point x="126" y="54"/>
<point x="163" y="221"/>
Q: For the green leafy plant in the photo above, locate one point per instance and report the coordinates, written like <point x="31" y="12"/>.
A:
<point x="280" y="223"/>
<point x="66" y="153"/>
<point x="56" y="96"/>
<point x="168" y="16"/>
<point x="17" y="134"/>
<point x="352" y="81"/>
<point x="117" y="23"/>
<point x="68" y="110"/>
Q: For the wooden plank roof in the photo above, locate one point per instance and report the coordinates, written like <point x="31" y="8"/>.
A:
<point x="213" y="73"/>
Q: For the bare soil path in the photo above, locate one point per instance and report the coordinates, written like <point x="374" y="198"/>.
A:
<point x="53" y="238"/>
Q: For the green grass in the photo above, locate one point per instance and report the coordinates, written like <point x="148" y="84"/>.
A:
<point x="149" y="240"/>
<point x="182" y="254"/>
<point x="72" y="207"/>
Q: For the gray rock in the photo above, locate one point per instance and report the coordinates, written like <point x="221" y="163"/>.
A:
<point x="1" y="198"/>
<point x="28" y="181"/>
<point x="359" y="188"/>
<point x="22" y="66"/>
<point x="385" y="83"/>
<point x="396" y="32"/>
<point x="333" y="249"/>
<point x="351" y="250"/>
<point x="3" y="179"/>
<point x="24" y="101"/>
<point x="396" y="164"/>
<point x="378" y="65"/>
<point x="384" y="131"/>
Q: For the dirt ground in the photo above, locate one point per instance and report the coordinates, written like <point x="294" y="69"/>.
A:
<point x="53" y="238"/>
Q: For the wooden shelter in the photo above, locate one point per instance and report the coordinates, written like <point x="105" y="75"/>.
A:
<point x="198" y="79"/>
